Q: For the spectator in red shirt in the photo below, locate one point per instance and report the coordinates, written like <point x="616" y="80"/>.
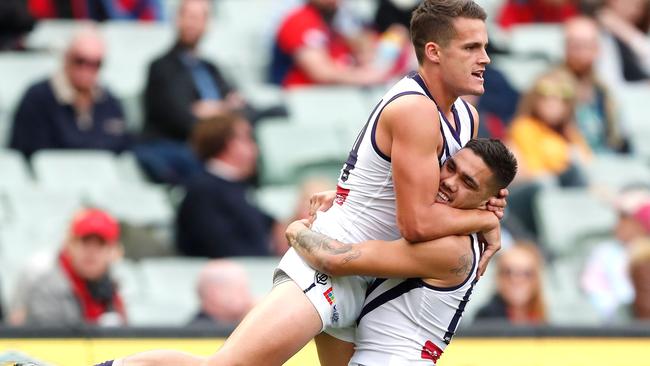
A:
<point x="97" y="9"/>
<point x="308" y="50"/>
<point x="536" y="11"/>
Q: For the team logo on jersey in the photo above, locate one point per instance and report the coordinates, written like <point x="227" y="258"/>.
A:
<point x="329" y="296"/>
<point x="321" y="278"/>
<point x="335" y="315"/>
<point x="341" y="195"/>
<point x="431" y="352"/>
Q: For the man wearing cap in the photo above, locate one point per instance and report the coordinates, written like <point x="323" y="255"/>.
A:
<point x="77" y="288"/>
<point x="606" y="279"/>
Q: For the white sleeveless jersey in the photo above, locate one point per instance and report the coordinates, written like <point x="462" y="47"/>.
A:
<point x="409" y="322"/>
<point x="365" y="203"/>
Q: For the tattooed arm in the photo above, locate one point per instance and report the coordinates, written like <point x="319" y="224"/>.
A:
<point x="448" y="259"/>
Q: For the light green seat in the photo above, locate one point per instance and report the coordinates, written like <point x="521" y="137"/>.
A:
<point x="277" y="201"/>
<point x="52" y="34"/>
<point x="260" y="272"/>
<point x="37" y="204"/>
<point x="78" y="170"/>
<point x="632" y="99"/>
<point x="19" y="71"/>
<point x="15" y="172"/>
<point x="565" y="217"/>
<point x="546" y="40"/>
<point x="328" y="106"/>
<point x="521" y="72"/>
<point x="137" y="204"/>
<point x="170" y="291"/>
<point x="285" y="147"/>
<point x="617" y="171"/>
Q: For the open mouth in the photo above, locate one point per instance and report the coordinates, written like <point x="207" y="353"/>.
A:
<point x="478" y="74"/>
<point x="441" y="197"/>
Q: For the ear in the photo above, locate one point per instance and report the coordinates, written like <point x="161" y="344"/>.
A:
<point x="432" y="52"/>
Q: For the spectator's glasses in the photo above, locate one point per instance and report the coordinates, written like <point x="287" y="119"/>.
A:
<point x="553" y="88"/>
<point x="528" y="274"/>
<point x="81" y="61"/>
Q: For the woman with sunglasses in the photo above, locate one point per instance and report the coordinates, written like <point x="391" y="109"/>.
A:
<point x="519" y="298"/>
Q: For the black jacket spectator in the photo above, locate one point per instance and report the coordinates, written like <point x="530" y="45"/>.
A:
<point x="216" y="220"/>
<point x="170" y="93"/>
<point x="44" y="121"/>
<point x="15" y="22"/>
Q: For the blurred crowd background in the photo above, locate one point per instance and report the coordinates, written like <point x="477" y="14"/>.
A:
<point x="153" y="151"/>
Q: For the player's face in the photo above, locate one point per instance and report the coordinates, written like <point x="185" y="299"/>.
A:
<point x="463" y="60"/>
<point x="464" y="181"/>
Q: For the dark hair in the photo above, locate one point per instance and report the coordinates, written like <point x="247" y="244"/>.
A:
<point x="210" y="136"/>
<point x="497" y="157"/>
<point x="432" y="21"/>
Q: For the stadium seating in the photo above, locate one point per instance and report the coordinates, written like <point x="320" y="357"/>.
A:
<point x="260" y="273"/>
<point x="284" y="147"/>
<point x="277" y="201"/>
<point x="78" y="170"/>
<point x="51" y="34"/>
<point x="541" y="40"/>
<point x="15" y="172"/>
<point x="618" y="171"/>
<point x="169" y="296"/>
<point x="521" y="72"/>
<point x="327" y="106"/>
<point x="566" y="217"/>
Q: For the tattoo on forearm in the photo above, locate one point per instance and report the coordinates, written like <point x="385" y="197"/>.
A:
<point x="312" y="242"/>
<point x="464" y="266"/>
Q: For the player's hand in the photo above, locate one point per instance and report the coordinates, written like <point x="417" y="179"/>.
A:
<point x="492" y="241"/>
<point x="498" y="204"/>
<point x="321" y="201"/>
<point x="294" y="228"/>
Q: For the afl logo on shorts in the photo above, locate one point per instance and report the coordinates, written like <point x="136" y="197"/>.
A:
<point x="321" y="278"/>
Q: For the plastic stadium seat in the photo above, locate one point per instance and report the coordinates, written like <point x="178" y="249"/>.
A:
<point x="52" y="34"/>
<point x="565" y="217"/>
<point x="565" y="301"/>
<point x="126" y="274"/>
<point x="137" y="204"/>
<point x="78" y="170"/>
<point x="42" y="205"/>
<point x="521" y="72"/>
<point x="278" y="201"/>
<point x="327" y="106"/>
<point x="19" y="71"/>
<point x="15" y="172"/>
<point x="633" y="103"/>
<point x="260" y="272"/>
<point x="545" y="40"/>
<point x="618" y="171"/>
<point x="285" y="147"/>
<point x="169" y="290"/>
<point x="131" y="46"/>
<point x="129" y="169"/>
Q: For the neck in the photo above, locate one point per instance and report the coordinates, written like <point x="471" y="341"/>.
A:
<point x="444" y="98"/>
<point x="225" y="169"/>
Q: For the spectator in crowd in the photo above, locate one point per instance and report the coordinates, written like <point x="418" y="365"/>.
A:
<point x="181" y="89"/>
<point x="224" y="294"/>
<point x="626" y="24"/>
<point x="70" y="109"/>
<point x="77" y="288"/>
<point x="548" y="146"/>
<point x="595" y="111"/>
<point x="605" y="278"/>
<point x="519" y="298"/>
<point x="640" y="274"/>
<point x="516" y="12"/>
<point x="544" y="134"/>
<point x="309" y="50"/>
<point x="97" y="9"/>
<point x="215" y="219"/>
<point x="391" y="12"/>
<point x="15" y="23"/>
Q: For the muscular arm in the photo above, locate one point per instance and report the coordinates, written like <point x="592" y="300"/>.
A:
<point x="448" y="259"/>
<point x="410" y="127"/>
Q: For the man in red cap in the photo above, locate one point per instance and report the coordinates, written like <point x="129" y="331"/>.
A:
<point x="77" y="288"/>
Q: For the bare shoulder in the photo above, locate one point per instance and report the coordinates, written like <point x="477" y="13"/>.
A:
<point x="411" y="110"/>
